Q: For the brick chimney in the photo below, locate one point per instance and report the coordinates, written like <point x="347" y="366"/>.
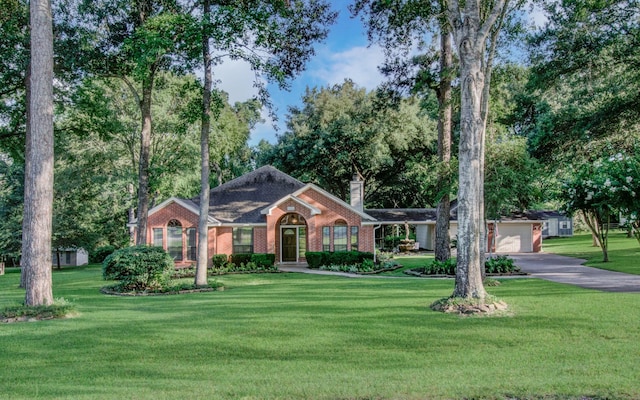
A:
<point x="357" y="192"/>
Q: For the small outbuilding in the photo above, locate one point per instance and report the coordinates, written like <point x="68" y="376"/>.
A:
<point x="73" y="257"/>
<point x="555" y="223"/>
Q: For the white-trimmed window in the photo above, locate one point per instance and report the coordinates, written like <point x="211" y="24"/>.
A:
<point x="326" y="238"/>
<point x="340" y="236"/>
<point x="354" y="238"/>
<point x="157" y="237"/>
<point x="174" y="239"/>
<point x="192" y="250"/>
<point x="242" y="240"/>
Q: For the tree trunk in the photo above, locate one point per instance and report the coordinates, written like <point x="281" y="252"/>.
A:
<point x="38" y="186"/>
<point x="203" y="229"/>
<point x="443" y="211"/>
<point x="470" y="34"/>
<point x="27" y="82"/>
<point x="131" y="213"/>
<point x="487" y="69"/>
<point x="143" y="162"/>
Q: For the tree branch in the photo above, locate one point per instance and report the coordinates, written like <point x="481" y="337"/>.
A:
<point x="498" y="10"/>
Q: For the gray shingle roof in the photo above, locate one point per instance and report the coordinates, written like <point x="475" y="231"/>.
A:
<point x="240" y="201"/>
<point x="400" y="215"/>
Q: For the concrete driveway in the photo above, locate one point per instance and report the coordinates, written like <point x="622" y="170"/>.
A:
<point x="569" y="270"/>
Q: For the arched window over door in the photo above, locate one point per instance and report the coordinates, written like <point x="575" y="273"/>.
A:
<point x="174" y="239"/>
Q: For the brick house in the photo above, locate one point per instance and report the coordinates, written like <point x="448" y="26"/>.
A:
<point x="263" y="211"/>
<point x="268" y="211"/>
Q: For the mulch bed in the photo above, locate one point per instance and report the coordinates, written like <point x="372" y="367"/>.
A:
<point x="111" y="292"/>
<point x="416" y="272"/>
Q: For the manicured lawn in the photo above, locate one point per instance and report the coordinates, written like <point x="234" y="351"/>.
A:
<point x="624" y="252"/>
<point x="295" y="336"/>
<point x="410" y="262"/>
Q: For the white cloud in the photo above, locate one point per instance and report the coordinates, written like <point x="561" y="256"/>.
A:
<point x="537" y="16"/>
<point x="360" y="64"/>
<point x="236" y="78"/>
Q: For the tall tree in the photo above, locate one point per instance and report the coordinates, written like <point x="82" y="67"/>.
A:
<point x="134" y="40"/>
<point x="343" y="130"/>
<point x="472" y="26"/>
<point x="205" y="128"/>
<point x="404" y="28"/>
<point x="443" y="212"/>
<point x="38" y="188"/>
<point x="14" y="67"/>
<point x="276" y="38"/>
<point x="585" y="81"/>
<point x="475" y="27"/>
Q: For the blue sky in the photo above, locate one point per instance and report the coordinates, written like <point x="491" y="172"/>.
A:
<point x="344" y="54"/>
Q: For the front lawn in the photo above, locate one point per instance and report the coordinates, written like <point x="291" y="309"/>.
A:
<point x="624" y="252"/>
<point x="297" y="336"/>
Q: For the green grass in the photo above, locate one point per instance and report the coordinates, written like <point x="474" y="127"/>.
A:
<point x="624" y="252"/>
<point x="296" y="336"/>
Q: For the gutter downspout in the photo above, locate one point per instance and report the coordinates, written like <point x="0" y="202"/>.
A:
<point x="375" y="228"/>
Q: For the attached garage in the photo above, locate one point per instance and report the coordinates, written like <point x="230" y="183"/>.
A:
<point x="514" y="238"/>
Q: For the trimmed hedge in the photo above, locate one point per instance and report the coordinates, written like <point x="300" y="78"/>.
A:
<point x="219" y="260"/>
<point x="244" y="262"/>
<point x="315" y="259"/>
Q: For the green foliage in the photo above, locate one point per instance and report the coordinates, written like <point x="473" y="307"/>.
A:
<point x="585" y="79"/>
<point x="494" y="265"/>
<point x="139" y="268"/>
<point x="219" y="260"/>
<point x="99" y="254"/>
<point x="263" y="260"/>
<point x="500" y="265"/>
<point x="59" y="309"/>
<point x="11" y="208"/>
<point x="240" y="258"/>
<point x="314" y="259"/>
<point x="508" y="172"/>
<point x="249" y="262"/>
<point x="603" y="188"/>
<point x="435" y="267"/>
<point x="318" y="259"/>
<point x="342" y="130"/>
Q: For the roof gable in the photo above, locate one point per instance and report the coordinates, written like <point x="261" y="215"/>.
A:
<point x="241" y="200"/>
<point x="185" y="203"/>
<point x="312" y="209"/>
<point x="311" y="186"/>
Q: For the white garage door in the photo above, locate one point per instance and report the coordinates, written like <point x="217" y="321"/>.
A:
<point x="514" y="238"/>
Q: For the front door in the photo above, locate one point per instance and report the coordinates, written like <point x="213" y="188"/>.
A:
<point x="289" y="244"/>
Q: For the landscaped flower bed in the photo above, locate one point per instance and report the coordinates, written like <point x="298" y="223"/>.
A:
<point x="494" y="266"/>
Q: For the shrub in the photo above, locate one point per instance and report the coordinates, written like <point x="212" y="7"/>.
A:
<point x="367" y="265"/>
<point x="100" y="253"/>
<point x="139" y="268"/>
<point x="435" y="267"/>
<point x="246" y="262"/>
<point x="314" y="259"/>
<point x="495" y="265"/>
<point x="317" y="259"/>
<point x="500" y="265"/>
<point x="240" y="258"/>
<point x="219" y="260"/>
<point x="263" y="260"/>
